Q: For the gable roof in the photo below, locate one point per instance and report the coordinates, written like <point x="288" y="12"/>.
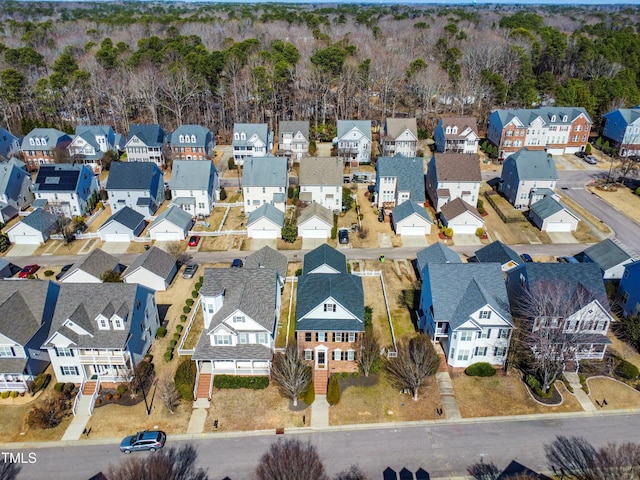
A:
<point x="436" y="253"/>
<point x="51" y="136"/>
<point x="191" y="174"/>
<point x="267" y="171"/>
<point x="406" y="209"/>
<point x="409" y="174"/>
<point x="294" y="127"/>
<point x="41" y="220"/>
<point x="203" y="136"/>
<point x="324" y="255"/>
<point x="345" y="126"/>
<point x="261" y="130"/>
<point x="607" y="254"/>
<point x="11" y="179"/>
<point x="395" y="126"/>
<point x="89" y="133"/>
<point x="8" y="142"/>
<point x="549" y="206"/>
<point x="155" y="260"/>
<point x="126" y="216"/>
<point x="532" y="165"/>
<point x="151" y="134"/>
<point x="266" y="210"/>
<point x="95" y="264"/>
<point x="174" y="214"/>
<point x="320" y="171"/>
<point x="133" y="176"/>
<point x="267" y="257"/>
<point x="456" y="207"/>
<point x="461" y="122"/>
<point x="62" y="177"/>
<point x="23" y="307"/>
<point x="315" y="289"/>
<point x="316" y="210"/>
<point x="526" y="116"/>
<point x="457" y="167"/>
<point x="498" y="252"/>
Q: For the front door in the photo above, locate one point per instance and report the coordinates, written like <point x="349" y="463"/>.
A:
<point x="321" y="359"/>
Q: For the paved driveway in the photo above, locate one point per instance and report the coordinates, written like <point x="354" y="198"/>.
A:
<point x="311" y="243"/>
<point x="414" y="241"/>
<point x="22" y="250"/>
<point x="258" y="243"/>
<point x="562" y="237"/>
<point x="384" y="240"/>
<point x="115" y="248"/>
<point x="461" y="240"/>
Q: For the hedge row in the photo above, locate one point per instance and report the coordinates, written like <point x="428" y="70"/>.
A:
<point x="235" y="381"/>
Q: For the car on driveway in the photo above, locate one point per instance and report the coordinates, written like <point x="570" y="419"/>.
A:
<point x="190" y="270"/>
<point x="63" y="270"/>
<point x="28" y="270"/>
<point x="580" y="154"/>
<point x="194" y="241"/>
<point x="237" y="263"/>
<point x="591" y="160"/>
<point x="568" y="259"/>
<point x="343" y="236"/>
<point x="526" y="258"/>
<point x="151" y="441"/>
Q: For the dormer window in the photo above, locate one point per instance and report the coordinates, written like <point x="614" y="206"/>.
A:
<point x="448" y="130"/>
<point x="243" y="136"/>
<point x="37" y="141"/>
<point x="193" y="139"/>
<point x="485" y="314"/>
<point x="553" y="118"/>
<point x="236" y="136"/>
<point x="565" y="118"/>
<point x="103" y="324"/>
<point x="238" y="319"/>
<point x="181" y="138"/>
<point x="454" y="130"/>
<point x="32" y="141"/>
<point x="117" y="324"/>
<point x="329" y="307"/>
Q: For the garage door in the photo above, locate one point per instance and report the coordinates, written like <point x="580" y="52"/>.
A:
<point x="168" y="236"/>
<point x="117" y="237"/>
<point x="27" y="240"/>
<point x="464" y="229"/>
<point x="418" y="230"/>
<point x="558" y="227"/>
<point x="315" y="233"/>
<point x="268" y="233"/>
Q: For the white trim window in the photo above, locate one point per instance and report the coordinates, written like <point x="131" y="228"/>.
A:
<point x="6" y="351"/>
<point x="308" y="354"/>
<point x="63" y="352"/>
<point x="352" y="337"/>
<point x="337" y="355"/>
<point x="466" y="336"/>
<point x="238" y="319"/>
<point x="222" y="339"/>
<point x="329" y="307"/>
<point x="263" y="338"/>
<point x="503" y="333"/>
<point x="351" y="355"/>
<point x="68" y="370"/>
<point x="481" y="351"/>
<point x="463" y="355"/>
<point x="485" y="314"/>
<point x="243" y="338"/>
<point x="337" y="337"/>
<point x="499" y="351"/>
<point x="321" y="336"/>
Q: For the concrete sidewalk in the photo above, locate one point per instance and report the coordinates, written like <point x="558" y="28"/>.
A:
<point x="582" y="397"/>
<point x="449" y="403"/>
<point x="320" y="412"/>
<point x="198" y="416"/>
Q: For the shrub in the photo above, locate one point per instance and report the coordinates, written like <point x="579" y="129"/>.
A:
<point x="117" y="396"/>
<point x="583" y="382"/>
<point x="355" y="374"/>
<point x="310" y="394"/>
<point x="50" y="412"/>
<point x="298" y="272"/>
<point x="235" y="381"/>
<point x="122" y="388"/>
<point x="289" y="233"/>
<point x="198" y="286"/>
<point x="58" y="387"/>
<point x="333" y="390"/>
<point x="179" y="328"/>
<point x="186" y="309"/>
<point x="48" y="273"/>
<point x="183" y="318"/>
<point x="185" y="378"/>
<point x="172" y="343"/>
<point x="108" y="396"/>
<point x="479" y="232"/>
<point x="637" y="191"/>
<point x="68" y="387"/>
<point x="448" y="232"/>
<point x="532" y="381"/>
<point x="627" y="370"/>
<point x="334" y="231"/>
<point x="481" y="210"/>
<point x="189" y="301"/>
<point x="176" y="336"/>
<point x="5" y="394"/>
<point x="223" y="194"/>
<point x="40" y="382"/>
<point x="161" y="332"/>
<point x="98" y="402"/>
<point x="231" y="164"/>
<point x="14" y="394"/>
<point x="480" y="369"/>
<point x="168" y="355"/>
<point x="368" y="316"/>
<point x="194" y="293"/>
<point x="480" y="203"/>
<point x="344" y="375"/>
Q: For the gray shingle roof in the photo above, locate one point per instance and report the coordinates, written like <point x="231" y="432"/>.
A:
<point x="461" y="122"/>
<point x="324" y="255"/>
<point x="497" y="252"/>
<point x="127" y="217"/>
<point x="344" y="288"/>
<point x="133" y="176"/>
<point x="459" y="289"/>
<point x="457" y="167"/>
<point x="294" y="127"/>
<point x="406" y="209"/>
<point x="201" y="133"/>
<point x="261" y="130"/>
<point x="154" y="260"/>
<point x="607" y="254"/>
<point x="321" y="171"/>
<point x="409" y="173"/>
<point x="533" y="165"/>
<point x="267" y="257"/>
<point x="317" y="210"/>
<point x="267" y="171"/>
<point x="52" y="137"/>
<point x="345" y="126"/>
<point x="175" y="215"/>
<point x="546" y="113"/>
<point x="436" y="253"/>
<point x="13" y="365"/>
<point x="96" y="263"/>
<point x="23" y="307"/>
<point x="11" y="179"/>
<point x="395" y="126"/>
<point x="456" y="207"/>
<point x="41" y="220"/>
<point x="546" y="207"/>
<point x="268" y="211"/>
<point x="192" y="174"/>
<point x="151" y="134"/>
<point x="248" y="351"/>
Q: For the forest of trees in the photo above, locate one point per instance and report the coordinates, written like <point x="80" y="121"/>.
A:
<point x="64" y="64"/>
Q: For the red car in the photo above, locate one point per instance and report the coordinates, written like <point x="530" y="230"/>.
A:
<point x="194" y="241"/>
<point x="28" y="270"/>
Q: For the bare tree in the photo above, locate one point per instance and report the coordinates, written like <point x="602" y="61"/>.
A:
<point x="176" y="464"/>
<point x="290" y="459"/>
<point x="354" y="473"/>
<point x="369" y="352"/>
<point x="9" y="471"/>
<point x="417" y="360"/>
<point x="175" y="250"/>
<point x="168" y="393"/>
<point x="291" y="373"/>
<point x="483" y="471"/>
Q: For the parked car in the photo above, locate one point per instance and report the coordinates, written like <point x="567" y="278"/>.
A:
<point x="151" y="441"/>
<point x="343" y="236"/>
<point x="28" y="270"/>
<point x="526" y="258"/>
<point x="194" y="240"/>
<point x="580" y="154"/>
<point x="63" y="270"/>
<point x="190" y="270"/>
<point x="567" y="259"/>
<point x="236" y="263"/>
<point x="591" y="160"/>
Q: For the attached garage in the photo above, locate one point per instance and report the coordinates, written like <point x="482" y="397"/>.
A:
<point x="117" y="237"/>
<point x="122" y="226"/>
<point x="171" y="225"/>
<point x="265" y="222"/>
<point x="558" y="227"/>
<point x="315" y="221"/>
<point x="168" y="236"/>
<point x="461" y="217"/>
<point x="264" y="233"/>
<point x="551" y="216"/>
<point x="34" y="229"/>
<point x="315" y="233"/>
<point x="463" y="228"/>
<point x="411" y="219"/>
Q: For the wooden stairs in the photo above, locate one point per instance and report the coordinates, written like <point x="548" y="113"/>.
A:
<point x="89" y="388"/>
<point x="203" y="386"/>
<point x="320" y="381"/>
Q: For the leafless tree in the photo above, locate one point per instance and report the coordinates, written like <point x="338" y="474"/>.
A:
<point x="625" y="168"/>
<point x="291" y="373"/>
<point x="176" y="464"/>
<point x="483" y="471"/>
<point x="9" y="471"/>
<point x="369" y="352"/>
<point x="353" y="473"/>
<point x="168" y="393"/>
<point x="175" y="250"/>
<point x="417" y="360"/>
<point x="290" y="459"/>
<point x="179" y="89"/>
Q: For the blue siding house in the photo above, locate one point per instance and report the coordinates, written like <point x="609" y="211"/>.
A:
<point x="622" y="127"/>
<point x="629" y="289"/>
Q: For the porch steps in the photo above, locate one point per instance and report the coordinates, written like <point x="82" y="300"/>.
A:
<point x="203" y="386"/>
<point x="89" y="388"/>
<point x="320" y="381"/>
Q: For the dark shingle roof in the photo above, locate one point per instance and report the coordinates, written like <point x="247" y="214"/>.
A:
<point x="192" y="174"/>
<point x="96" y="263"/>
<point x="23" y="307"/>
<point x="457" y="167"/>
<point x="321" y="171"/>
<point x="268" y="211"/>
<point x="456" y="207"/>
<point x="154" y="260"/>
<point x="607" y="254"/>
<point x="436" y="253"/>
<point x="41" y="220"/>
<point x="175" y="215"/>
<point x="409" y="173"/>
<point x="546" y="207"/>
<point x="316" y="210"/>
<point x="324" y="255"/>
<point x="151" y="135"/>
<point x="127" y="217"/>
<point x="533" y="165"/>
<point x="132" y="175"/>
<point x="248" y="351"/>
<point x="497" y="252"/>
<point x="462" y="123"/>
<point x="267" y="257"/>
<point x="405" y="209"/>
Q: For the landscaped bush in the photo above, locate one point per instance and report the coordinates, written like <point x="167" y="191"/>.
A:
<point x="298" y="272"/>
<point x="194" y="293"/>
<point x="168" y="355"/>
<point x="479" y="232"/>
<point x="183" y="318"/>
<point x="5" y="395"/>
<point x="98" y="402"/>
<point x="185" y="378"/>
<point x="310" y="394"/>
<point x="235" y="381"/>
<point x="179" y="329"/>
<point x="480" y="369"/>
<point x="122" y="388"/>
<point x="68" y="387"/>
<point x="532" y="381"/>
<point x="176" y="336"/>
<point x="627" y="370"/>
<point x="186" y="309"/>
<point x="198" y="286"/>
<point x="161" y="332"/>
<point x="50" y="412"/>
<point x="40" y="382"/>
<point x="58" y="387"/>
<point x="117" y="396"/>
<point x="48" y="273"/>
<point x="333" y="390"/>
<point x="108" y="396"/>
<point x="14" y="394"/>
<point x="583" y="382"/>
<point x="189" y="301"/>
<point x="368" y="316"/>
<point x="172" y="342"/>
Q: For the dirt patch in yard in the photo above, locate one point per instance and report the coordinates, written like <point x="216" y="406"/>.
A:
<point x="503" y="395"/>
<point x="282" y="245"/>
<point x="99" y="220"/>
<point x="374" y="298"/>
<point x="138" y="247"/>
<point x="284" y="326"/>
<point x="244" y="410"/>
<point x="508" y="233"/>
<point x="621" y="199"/>
<point x="236" y="219"/>
<point x="583" y="233"/>
<point x="617" y="394"/>
<point x="370" y="226"/>
<point x="623" y="349"/>
<point x="221" y="243"/>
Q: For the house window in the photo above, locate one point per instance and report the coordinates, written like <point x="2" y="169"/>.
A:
<point x="243" y="338"/>
<point x="465" y="336"/>
<point x="64" y="352"/>
<point x="329" y="307"/>
<point x="222" y="339"/>
<point x="321" y="337"/>
<point x="307" y="336"/>
<point x="117" y="324"/>
<point x="625" y="297"/>
<point x="503" y="333"/>
<point x="238" y="319"/>
<point x="262" y="338"/>
<point x="352" y="337"/>
<point x="499" y="351"/>
<point x="485" y="333"/>
<point x="337" y="337"/>
<point x="601" y="325"/>
<point x="463" y="355"/>
<point x="351" y="355"/>
<point x="484" y="314"/>
<point x="571" y="326"/>
<point x="337" y="355"/>
<point x="6" y="351"/>
<point x="103" y="324"/>
<point x="68" y="370"/>
<point x="308" y="354"/>
<point x="481" y="351"/>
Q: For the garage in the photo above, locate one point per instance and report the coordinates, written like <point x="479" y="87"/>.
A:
<point x="263" y="233"/>
<point x="413" y="230"/>
<point x="466" y="229"/>
<point x="558" y="227"/>
<point x="117" y="237"/>
<point x="27" y="240"/>
<point x="315" y="233"/>
<point x="168" y="237"/>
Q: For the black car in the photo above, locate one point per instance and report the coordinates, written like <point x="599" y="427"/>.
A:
<point x="580" y="154"/>
<point x="343" y="236"/>
<point x="526" y="258"/>
<point x="63" y="270"/>
<point x="151" y="441"/>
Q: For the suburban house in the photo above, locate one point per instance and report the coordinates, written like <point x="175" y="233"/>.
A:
<point x="410" y="219"/>
<point x="15" y="189"/>
<point x="7" y="269"/>
<point x="26" y="312"/>
<point x="68" y="189"/>
<point x="268" y="257"/>
<point x="324" y="259"/>
<point x="556" y="130"/>
<point x="451" y="176"/>
<point x="329" y="317"/>
<point x="320" y="181"/>
<point x="609" y="256"/>
<point x="498" y="252"/>
<point x="354" y="141"/>
<point x="100" y="333"/>
<point x="524" y="171"/>
<point x="549" y="215"/>
<point x="241" y="308"/>
<point x="265" y="222"/>
<point x="251" y="140"/>
<point x="9" y="144"/>
<point x="137" y="185"/>
<point x="457" y="135"/>
<point x="122" y="226"/>
<point x="629" y="289"/>
<point x="293" y="139"/>
<point x="622" y="128"/>
<point x="399" y="179"/>
<point x="42" y="146"/>
<point x="172" y="225"/>
<point x="34" y="229"/>
<point x="91" y="143"/>
<point x="315" y="221"/>
<point x="399" y="137"/>
<point x="461" y="217"/>
<point x="465" y="307"/>
<point x="155" y="269"/>
<point x="195" y="186"/>
<point x="192" y="142"/>
<point x="435" y="253"/>
<point x="580" y="289"/>
<point x="91" y="268"/>
<point x="265" y="180"/>
<point x="146" y="144"/>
